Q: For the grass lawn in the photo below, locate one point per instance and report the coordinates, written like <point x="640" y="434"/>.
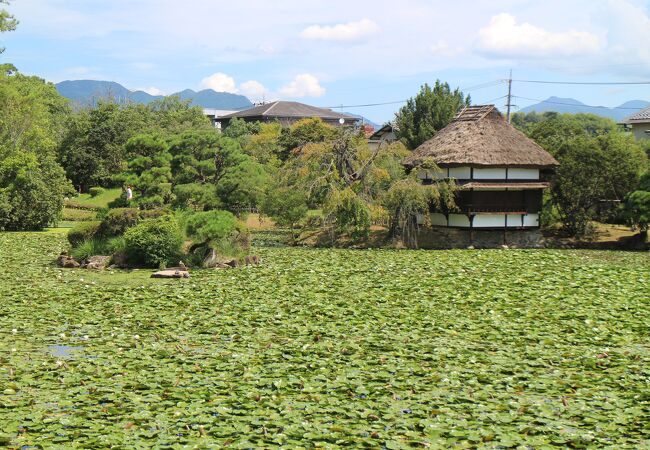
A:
<point x="100" y="201"/>
<point x="77" y="215"/>
<point x="328" y="348"/>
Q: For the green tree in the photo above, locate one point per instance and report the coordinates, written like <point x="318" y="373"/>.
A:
<point x="286" y="206"/>
<point x="636" y="208"/>
<point x="32" y="184"/>
<point x="408" y="199"/>
<point x="217" y="162"/>
<point x="7" y="21"/>
<point x="591" y="170"/>
<point x="93" y="148"/>
<point x="428" y="112"/>
<point x="32" y="188"/>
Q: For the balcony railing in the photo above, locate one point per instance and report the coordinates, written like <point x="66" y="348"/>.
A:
<point x="490" y="208"/>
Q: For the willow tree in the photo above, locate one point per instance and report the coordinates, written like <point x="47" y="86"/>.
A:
<point x="409" y="203"/>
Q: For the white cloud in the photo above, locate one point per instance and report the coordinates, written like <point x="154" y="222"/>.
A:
<point x="442" y="48"/>
<point x="343" y="32"/>
<point x="505" y="37"/>
<point x="253" y="89"/>
<point x="220" y="82"/>
<point x="152" y="90"/>
<point x="304" y="85"/>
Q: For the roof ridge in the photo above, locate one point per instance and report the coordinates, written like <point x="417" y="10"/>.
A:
<point x="273" y="105"/>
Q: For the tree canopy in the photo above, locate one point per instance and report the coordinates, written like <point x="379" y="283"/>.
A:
<point x="428" y="112"/>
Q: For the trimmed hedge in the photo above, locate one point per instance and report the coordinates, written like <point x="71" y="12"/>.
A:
<point x="83" y="232"/>
<point x="95" y="191"/>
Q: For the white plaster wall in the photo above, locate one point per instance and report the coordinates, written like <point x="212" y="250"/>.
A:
<point x="420" y="219"/>
<point x="639" y="130"/>
<point x="438" y="219"/>
<point x="514" y="220"/>
<point x="430" y="175"/>
<point x="531" y="220"/>
<point x="523" y="174"/>
<point x="458" y="220"/>
<point x="489" y="221"/>
<point x="496" y="173"/>
<point x="460" y="173"/>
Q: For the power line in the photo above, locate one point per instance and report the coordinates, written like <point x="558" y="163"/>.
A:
<point x="367" y="105"/>
<point x="590" y="83"/>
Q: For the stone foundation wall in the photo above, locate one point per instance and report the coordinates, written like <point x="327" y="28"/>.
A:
<point x="443" y="237"/>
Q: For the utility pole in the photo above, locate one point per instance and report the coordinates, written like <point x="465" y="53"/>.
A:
<point x="509" y="104"/>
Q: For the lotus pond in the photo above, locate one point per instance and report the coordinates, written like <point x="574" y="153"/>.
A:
<point x="328" y="348"/>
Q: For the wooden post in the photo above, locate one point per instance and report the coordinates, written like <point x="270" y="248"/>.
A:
<point x="471" y="229"/>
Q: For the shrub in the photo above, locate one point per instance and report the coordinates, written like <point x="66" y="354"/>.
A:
<point x="118" y="220"/>
<point x="212" y="226"/>
<point x="153" y="242"/>
<point x="119" y="202"/>
<point x="83" y="232"/>
<point x="95" y="191"/>
<point x="32" y="188"/>
<point x="219" y="230"/>
<point x="88" y="248"/>
<point x="152" y="202"/>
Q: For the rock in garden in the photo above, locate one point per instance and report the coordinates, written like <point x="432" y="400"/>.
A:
<point x="97" y="262"/>
<point x="233" y="263"/>
<point x="252" y="260"/>
<point x="171" y="273"/>
<point x="120" y="260"/>
<point x="66" y="261"/>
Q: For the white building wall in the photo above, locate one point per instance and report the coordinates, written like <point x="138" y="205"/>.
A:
<point x="431" y="175"/>
<point x="514" y="220"/>
<point x="531" y="220"/>
<point x="460" y="173"/>
<point x="458" y="220"/>
<point x="438" y="219"/>
<point x="489" y="221"/>
<point x="641" y="130"/>
<point x="496" y="173"/>
<point x="523" y="174"/>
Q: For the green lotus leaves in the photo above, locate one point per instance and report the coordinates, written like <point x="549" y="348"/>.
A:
<point x="322" y="348"/>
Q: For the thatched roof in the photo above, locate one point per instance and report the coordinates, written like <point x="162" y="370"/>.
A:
<point x="480" y="136"/>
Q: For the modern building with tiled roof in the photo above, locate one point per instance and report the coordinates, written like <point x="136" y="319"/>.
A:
<point x="639" y="123"/>
<point x="287" y="113"/>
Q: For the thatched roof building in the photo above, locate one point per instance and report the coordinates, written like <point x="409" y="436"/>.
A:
<point x="479" y="136"/>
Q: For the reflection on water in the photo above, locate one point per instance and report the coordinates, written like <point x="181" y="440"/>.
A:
<point x="65" y="351"/>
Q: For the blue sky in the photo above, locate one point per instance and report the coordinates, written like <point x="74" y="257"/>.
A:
<point x="332" y="52"/>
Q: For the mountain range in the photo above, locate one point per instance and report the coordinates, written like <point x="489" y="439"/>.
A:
<point x="88" y="92"/>
<point x="572" y="106"/>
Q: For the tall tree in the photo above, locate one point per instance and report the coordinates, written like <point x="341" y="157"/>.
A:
<point x="428" y="112"/>
<point x="596" y="163"/>
<point x="7" y="21"/>
<point x="32" y="184"/>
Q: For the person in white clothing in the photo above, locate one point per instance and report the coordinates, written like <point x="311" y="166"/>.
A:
<point x="129" y="193"/>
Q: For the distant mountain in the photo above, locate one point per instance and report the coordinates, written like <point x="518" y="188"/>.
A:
<point x="365" y="120"/>
<point x="88" y="92"/>
<point x="573" y="106"/>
